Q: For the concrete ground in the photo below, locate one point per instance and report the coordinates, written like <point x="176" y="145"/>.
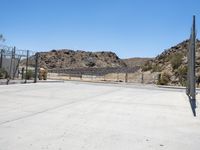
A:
<point x="96" y="116"/>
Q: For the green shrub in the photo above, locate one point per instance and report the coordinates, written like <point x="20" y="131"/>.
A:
<point x="163" y="79"/>
<point x="29" y="75"/>
<point x="3" y="73"/>
<point x="90" y="64"/>
<point x="182" y="75"/>
<point x="146" y="67"/>
<point x="176" y="60"/>
<point x="156" y="68"/>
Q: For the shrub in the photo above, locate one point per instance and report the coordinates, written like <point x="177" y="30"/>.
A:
<point x="146" y="67"/>
<point x="156" y="68"/>
<point x="163" y="79"/>
<point x="176" y="60"/>
<point x="182" y="75"/>
<point x="3" y="73"/>
<point x="29" y="74"/>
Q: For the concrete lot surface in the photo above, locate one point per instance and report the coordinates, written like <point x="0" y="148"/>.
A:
<point x="92" y="116"/>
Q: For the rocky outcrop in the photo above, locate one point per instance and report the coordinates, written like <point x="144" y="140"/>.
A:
<point x="70" y="59"/>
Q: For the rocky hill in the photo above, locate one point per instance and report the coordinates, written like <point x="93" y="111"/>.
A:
<point x="171" y="65"/>
<point x="70" y="59"/>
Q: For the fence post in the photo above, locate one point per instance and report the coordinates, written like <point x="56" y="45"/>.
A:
<point x="36" y="67"/>
<point x="13" y="69"/>
<point x="191" y="77"/>
<point x="126" y="77"/>
<point x="23" y="73"/>
<point x="27" y="55"/>
<point x="10" y="69"/>
<point x="81" y="76"/>
<point x="1" y="61"/>
<point x="142" y="78"/>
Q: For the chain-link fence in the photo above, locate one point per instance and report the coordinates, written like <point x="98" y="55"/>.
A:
<point x="122" y="74"/>
<point x="14" y="66"/>
<point x="24" y="66"/>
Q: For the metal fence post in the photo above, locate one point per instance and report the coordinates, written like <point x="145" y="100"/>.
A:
<point x="126" y="77"/>
<point x="142" y="78"/>
<point x="191" y="76"/>
<point x="1" y="61"/>
<point x="27" y="55"/>
<point x="23" y="73"/>
<point x="11" y="66"/>
<point x="36" y="67"/>
<point x="14" y="67"/>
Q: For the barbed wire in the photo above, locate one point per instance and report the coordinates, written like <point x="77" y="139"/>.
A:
<point x="12" y="50"/>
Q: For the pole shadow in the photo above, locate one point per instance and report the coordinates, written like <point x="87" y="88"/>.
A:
<point x="193" y="105"/>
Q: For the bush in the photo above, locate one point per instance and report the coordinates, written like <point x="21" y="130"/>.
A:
<point x="163" y="79"/>
<point x="156" y="68"/>
<point x="182" y="75"/>
<point x="176" y="60"/>
<point x="29" y="74"/>
<point x="146" y="67"/>
<point x="3" y="73"/>
<point x="90" y="64"/>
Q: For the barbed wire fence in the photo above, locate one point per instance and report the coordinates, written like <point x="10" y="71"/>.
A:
<point x="116" y="74"/>
<point x="12" y="68"/>
<point x="22" y="66"/>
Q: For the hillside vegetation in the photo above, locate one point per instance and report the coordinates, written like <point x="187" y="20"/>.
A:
<point x="172" y="64"/>
<point x="137" y="61"/>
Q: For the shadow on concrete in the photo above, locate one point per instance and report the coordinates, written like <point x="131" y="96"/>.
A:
<point x="193" y="105"/>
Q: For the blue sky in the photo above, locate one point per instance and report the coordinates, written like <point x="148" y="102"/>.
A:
<point x="130" y="28"/>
